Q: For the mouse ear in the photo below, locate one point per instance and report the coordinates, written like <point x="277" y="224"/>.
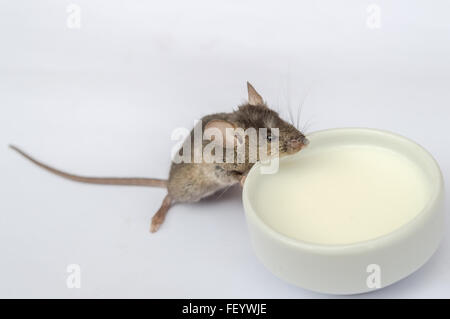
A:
<point x="223" y="128"/>
<point x="253" y="97"/>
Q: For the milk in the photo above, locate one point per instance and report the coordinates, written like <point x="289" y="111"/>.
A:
<point x="341" y="194"/>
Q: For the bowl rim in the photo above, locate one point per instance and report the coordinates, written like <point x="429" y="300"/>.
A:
<point x="398" y="234"/>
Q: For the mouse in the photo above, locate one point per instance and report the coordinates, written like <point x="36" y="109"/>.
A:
<point x="190" y="181"/>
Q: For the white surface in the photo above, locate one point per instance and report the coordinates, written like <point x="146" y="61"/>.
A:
<point x="104" y="100"/>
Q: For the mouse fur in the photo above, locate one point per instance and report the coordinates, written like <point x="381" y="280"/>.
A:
<point x="190" y="182"/>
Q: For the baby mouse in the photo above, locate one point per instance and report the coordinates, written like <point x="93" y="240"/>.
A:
<point x="192" y="179"/>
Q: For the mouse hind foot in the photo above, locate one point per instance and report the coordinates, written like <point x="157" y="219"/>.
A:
<point x="160" y="215"/>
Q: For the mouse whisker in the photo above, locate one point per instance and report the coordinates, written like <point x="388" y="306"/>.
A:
<point x="306" y="126"/>
<point x="288" y="103"/>
<point x="291" y="115"/>
<point x="299" y="112"/>
<point x="300" y="109"/>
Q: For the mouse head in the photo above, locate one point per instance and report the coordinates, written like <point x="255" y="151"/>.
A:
<point x="256" y="114"/>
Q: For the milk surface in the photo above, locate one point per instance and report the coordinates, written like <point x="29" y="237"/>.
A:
<point x="341" y="194"/>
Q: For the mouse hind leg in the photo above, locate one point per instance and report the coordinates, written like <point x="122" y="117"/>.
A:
<point x="160" y="215"/>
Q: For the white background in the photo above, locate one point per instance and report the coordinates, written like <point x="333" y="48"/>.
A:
<point x="105" y="98"/>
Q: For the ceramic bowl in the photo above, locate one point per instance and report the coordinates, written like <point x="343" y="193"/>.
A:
<point x="350" y="268"/>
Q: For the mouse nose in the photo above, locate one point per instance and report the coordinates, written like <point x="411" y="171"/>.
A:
<point x="305" y="141"/>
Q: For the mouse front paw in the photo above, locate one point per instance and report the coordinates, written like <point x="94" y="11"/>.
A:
<point x="242" y="181"/>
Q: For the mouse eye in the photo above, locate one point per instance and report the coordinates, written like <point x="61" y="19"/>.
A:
<point x="271" y="137"/>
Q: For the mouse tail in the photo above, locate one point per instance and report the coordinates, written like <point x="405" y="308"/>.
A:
<point x="126" y="181"/>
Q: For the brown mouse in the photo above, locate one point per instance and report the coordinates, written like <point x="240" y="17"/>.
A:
<point x="192" y="181"/>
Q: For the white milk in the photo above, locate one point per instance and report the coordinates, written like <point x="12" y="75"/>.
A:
<point x="341" y="194"/>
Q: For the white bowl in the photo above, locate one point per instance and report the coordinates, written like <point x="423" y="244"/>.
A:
<point x="350" y="268"/>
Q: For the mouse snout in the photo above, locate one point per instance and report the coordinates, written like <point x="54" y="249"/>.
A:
<point x="296" y="144"/>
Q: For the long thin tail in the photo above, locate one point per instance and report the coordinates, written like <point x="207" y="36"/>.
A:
<point x="129" y="181"/>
